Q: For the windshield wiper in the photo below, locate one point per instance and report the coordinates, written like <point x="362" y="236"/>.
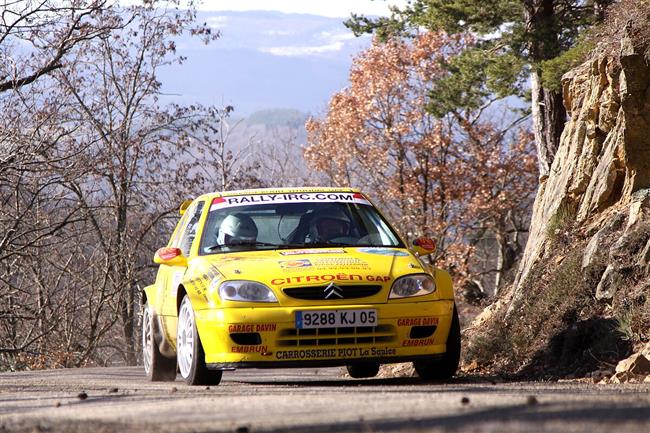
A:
<point x="328" y="244"/>
<point x="281" y="246"/>
<point x="248" y="244"/>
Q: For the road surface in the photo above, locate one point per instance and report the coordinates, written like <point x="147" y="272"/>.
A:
<point x="312" y="401"/>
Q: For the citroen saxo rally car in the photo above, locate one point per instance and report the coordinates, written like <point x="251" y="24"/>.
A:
<point x="294" y="278"/>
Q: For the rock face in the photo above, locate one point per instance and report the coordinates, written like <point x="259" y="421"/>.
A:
<point x="603" y="161"/>
<point x="581" y="299"/>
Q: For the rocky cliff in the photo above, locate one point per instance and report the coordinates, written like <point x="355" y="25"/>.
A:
<point x="603" y="162"/>
<point x="581" y="299"/>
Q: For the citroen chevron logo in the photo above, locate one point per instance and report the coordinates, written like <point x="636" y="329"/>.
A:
<point x="332" y="290"/>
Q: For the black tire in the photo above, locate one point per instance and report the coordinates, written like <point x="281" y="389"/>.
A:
<point x="192" y="366"/>
<point x="444" y="368"/>
<point x="157" y="367"/>
<point x="363" y="369"/>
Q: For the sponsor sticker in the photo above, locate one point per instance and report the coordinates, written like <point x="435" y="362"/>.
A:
<point x="251" y="327"/>
<point x="313" y="251"/>
<point x="384" y="252"/>
<point x="202" y="282"/>
<point x="320" y="197"/>
<point x="328" y="277"/>
<point x="418" y="343"/>
<point x="298" y="263"/>
<point x="347" y="352"/>
<point x="325" y="264"/>
<point x="227" y="258"/>
<point x="249" y="349"/>
<point x="341" y="262"/>
<point x="417" y="321"/>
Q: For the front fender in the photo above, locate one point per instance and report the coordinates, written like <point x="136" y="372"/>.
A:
<point x="149" y="294"/>
<point x="444" y="284"/>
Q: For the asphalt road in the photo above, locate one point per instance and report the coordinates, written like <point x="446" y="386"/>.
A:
<point x="312" y="401"/>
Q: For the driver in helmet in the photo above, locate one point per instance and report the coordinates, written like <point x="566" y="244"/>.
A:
<point x="328" y="225"/>
<point x="237" y="229"/>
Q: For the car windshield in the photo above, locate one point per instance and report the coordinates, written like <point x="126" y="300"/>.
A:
<point x="313" y="220"/>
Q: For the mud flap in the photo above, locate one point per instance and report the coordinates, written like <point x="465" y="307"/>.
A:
<point x="164" y="346"/>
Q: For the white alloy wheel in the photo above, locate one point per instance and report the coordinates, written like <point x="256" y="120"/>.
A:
<point x="185" y="338"/>
<point x="157" y="367"/>
<point x="189" y="351"/>
<point x="147" y="340"/>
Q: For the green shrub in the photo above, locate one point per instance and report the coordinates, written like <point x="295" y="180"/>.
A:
<point x="554" y="69"/>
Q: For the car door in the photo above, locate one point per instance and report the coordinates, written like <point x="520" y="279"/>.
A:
<point x="183" y="239"/>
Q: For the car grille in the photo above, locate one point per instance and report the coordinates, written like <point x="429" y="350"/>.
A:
<point x="321" y="292"/>
<point x="336" y="336"/>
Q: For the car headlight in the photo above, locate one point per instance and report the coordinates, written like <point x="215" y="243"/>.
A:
<point x="247" y="291"/>
<point x="412" y="285"/>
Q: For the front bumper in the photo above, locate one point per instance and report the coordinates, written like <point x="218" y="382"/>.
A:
<point x="267" y="336"/>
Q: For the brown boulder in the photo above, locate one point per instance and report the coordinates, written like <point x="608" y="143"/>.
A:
<point x="646" y="350"/>
<point x="635" y="364"/>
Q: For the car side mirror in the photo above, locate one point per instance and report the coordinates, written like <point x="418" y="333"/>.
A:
<point x="424" y="246"/>
<point x="170" y="256"/>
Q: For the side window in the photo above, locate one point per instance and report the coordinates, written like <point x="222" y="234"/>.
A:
<point x="191" y="228"/>
<point x="178" y="230"/>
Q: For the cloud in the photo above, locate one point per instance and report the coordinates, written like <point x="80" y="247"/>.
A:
<point x="293" y="51"/>
<point x="278" y="33"/>
<point x="321" y="43"/>
<point x="217" y="22"/>
<point x="336" y="37"/>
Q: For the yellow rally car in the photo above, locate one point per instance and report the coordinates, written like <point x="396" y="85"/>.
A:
<point x="297" y="277"/>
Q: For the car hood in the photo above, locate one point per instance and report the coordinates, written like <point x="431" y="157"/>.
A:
<point x="279" y="269"/>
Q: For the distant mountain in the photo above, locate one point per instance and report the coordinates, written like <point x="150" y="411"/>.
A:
<point x="278" y="117"/>
<point x="264" y="60"/>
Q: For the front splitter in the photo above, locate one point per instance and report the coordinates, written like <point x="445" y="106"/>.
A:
<point x="318" y="362"/>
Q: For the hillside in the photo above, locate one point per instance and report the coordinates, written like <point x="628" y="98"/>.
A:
<point x="581" y="301"/>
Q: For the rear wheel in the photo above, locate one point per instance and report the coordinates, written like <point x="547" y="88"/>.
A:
<point x="363" y="369"/>
<point x="191" y="358"/>
<point x="157" y="367"/>
<point x="443" y="368"/>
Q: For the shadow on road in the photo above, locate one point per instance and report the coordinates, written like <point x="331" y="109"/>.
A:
<point x="525" y="416"/>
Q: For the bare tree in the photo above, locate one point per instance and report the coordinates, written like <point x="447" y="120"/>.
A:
<point x="283" y="163"/>
<point x="89" y="169"/>
<point x="130" y="186"/>
<point x="36" y="36"/>
<point x="35" y="161"/>
<point x="215" y="162"/>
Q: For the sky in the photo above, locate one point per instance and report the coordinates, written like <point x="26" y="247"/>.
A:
<point x="326" y="8"/>
<point x="271" y="54"/>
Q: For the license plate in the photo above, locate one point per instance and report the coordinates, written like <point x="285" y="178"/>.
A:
<point x="335" y="318"/>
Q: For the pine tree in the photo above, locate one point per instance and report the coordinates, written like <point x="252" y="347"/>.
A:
<point x="514" y="40"/>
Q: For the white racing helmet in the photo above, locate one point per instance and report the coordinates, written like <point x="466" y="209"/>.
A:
<point x="237" y="229"/>
<point x="329" y="224"/>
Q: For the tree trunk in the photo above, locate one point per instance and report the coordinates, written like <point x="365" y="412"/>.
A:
<point x="128" y="326"/>
<point x="498" y="275"/>
<point x="123" y="278"/>
<point x="507" y="253"/>
<point x="547" y="108"/>
<point x="548" y="122"/>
